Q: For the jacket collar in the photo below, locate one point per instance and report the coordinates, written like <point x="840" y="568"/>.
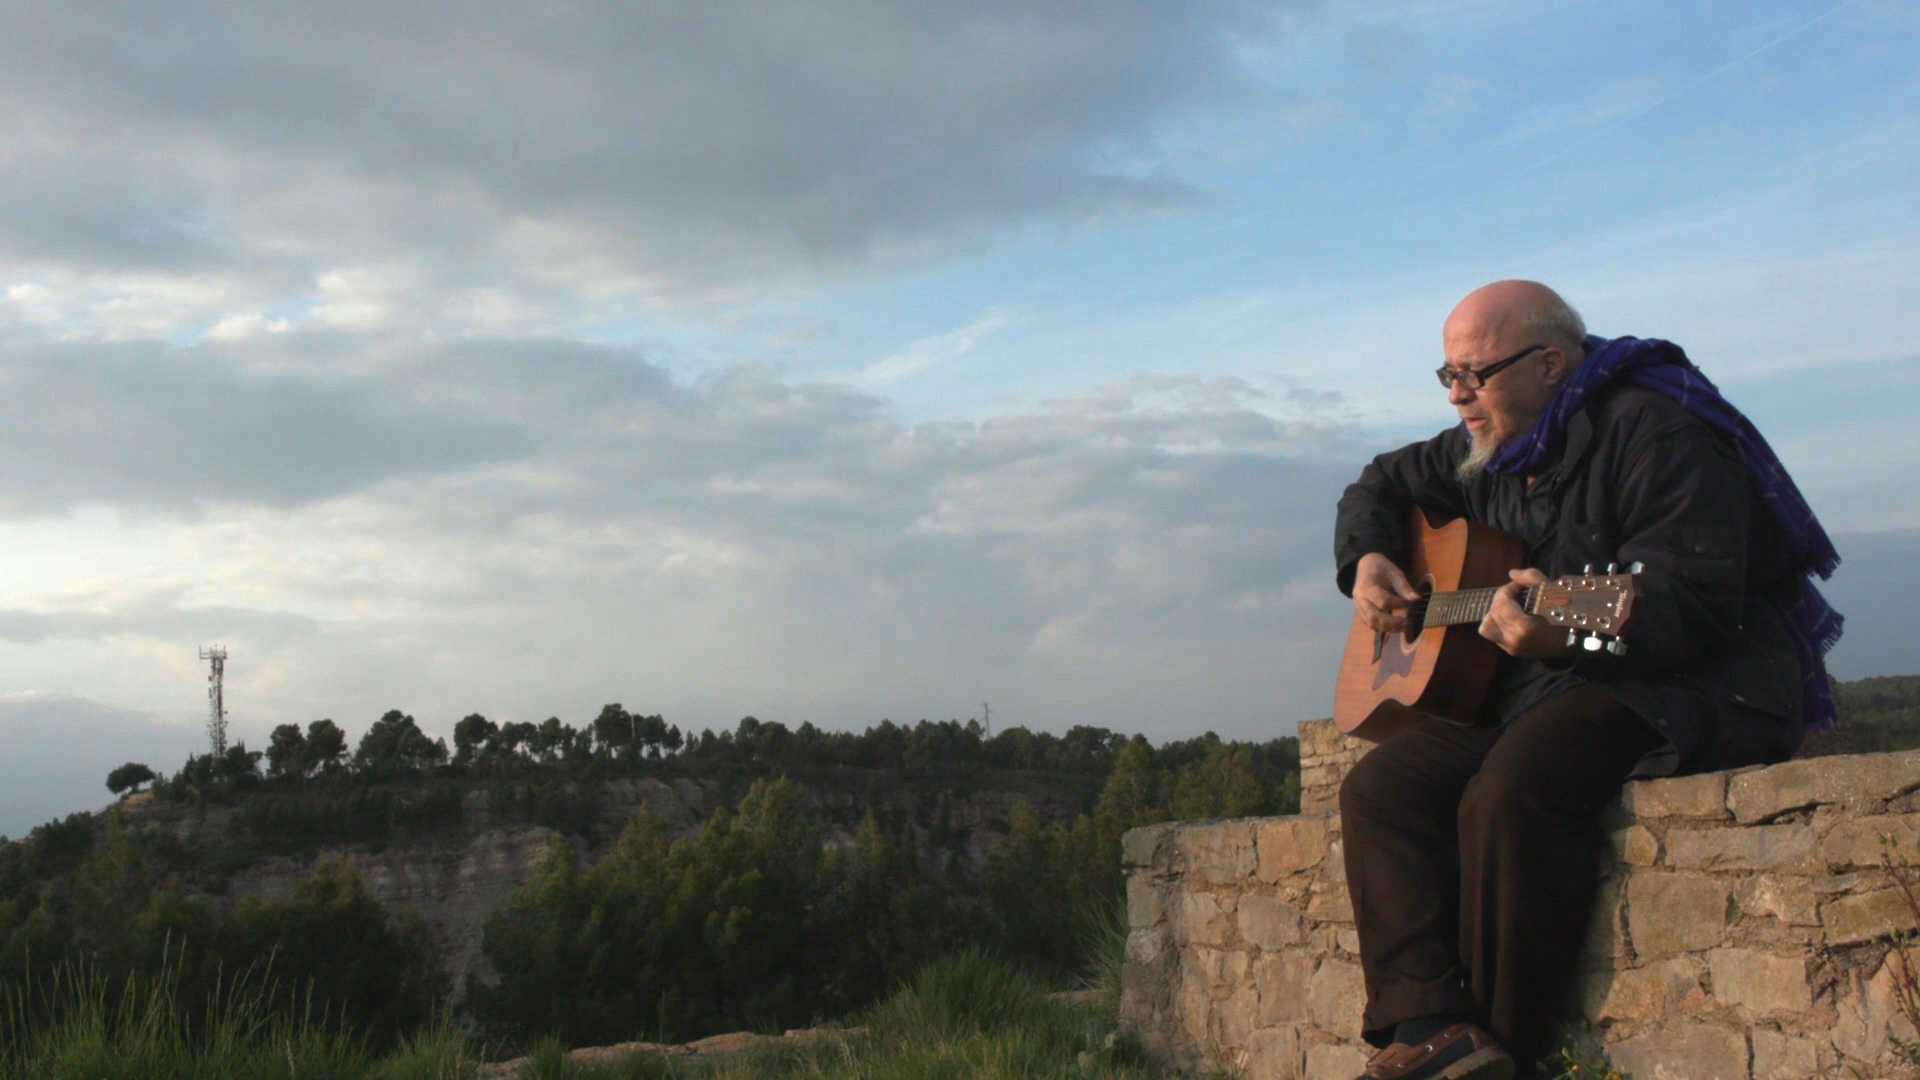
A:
<point x="1579" y="441"/>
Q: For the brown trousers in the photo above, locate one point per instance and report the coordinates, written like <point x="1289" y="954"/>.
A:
<point x="1471" y="857"/>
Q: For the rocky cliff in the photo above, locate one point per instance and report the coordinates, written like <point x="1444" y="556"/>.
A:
<point x="451" y="849"/>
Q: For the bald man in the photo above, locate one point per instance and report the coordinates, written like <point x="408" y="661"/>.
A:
<point x="1471" y="849"/>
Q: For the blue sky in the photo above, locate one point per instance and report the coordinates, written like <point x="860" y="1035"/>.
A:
<point x="826" y="363"/>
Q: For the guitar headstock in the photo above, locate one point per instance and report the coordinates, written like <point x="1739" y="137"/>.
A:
<point x="1597" y="605"/>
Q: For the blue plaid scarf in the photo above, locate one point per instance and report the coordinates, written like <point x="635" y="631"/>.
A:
<point x="1662" y="366"/>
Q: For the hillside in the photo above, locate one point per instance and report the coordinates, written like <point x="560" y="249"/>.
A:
<point x="1884" y="712"/>
<point x="484" y="870"/>
<point x="450" y="847"/>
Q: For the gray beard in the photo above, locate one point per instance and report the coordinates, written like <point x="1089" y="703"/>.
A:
<point x="1475" y="462"/>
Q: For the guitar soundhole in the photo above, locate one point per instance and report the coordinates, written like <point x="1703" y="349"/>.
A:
<point x="1417" y="611"/>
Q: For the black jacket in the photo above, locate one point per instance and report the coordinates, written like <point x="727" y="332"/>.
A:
<point x="1710" y="659"/>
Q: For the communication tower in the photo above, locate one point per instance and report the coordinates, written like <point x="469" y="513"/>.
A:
<point x="217" y="721"/>
<point x="986" y="713"/>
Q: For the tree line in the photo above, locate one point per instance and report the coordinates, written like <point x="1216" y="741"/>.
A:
<point x="617" y="740"/>
<point x="768" y="916"/>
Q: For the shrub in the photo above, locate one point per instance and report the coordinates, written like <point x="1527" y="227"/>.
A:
<point x="757" y="922"/>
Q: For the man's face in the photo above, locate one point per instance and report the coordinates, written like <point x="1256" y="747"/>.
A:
<point x="1509" y="403"/>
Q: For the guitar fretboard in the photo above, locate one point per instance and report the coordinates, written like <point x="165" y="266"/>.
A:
<point x="1466" y="606"/>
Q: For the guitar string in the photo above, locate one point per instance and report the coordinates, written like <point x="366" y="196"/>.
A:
<point x="1462" y="606"/>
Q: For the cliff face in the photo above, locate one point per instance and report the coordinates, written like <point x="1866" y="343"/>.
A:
<point x="478" y="841"/>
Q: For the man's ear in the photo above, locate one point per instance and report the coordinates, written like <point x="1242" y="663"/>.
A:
<point x="1557" y="365"/>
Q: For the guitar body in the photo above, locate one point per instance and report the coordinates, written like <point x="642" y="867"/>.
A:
<point x="1443" y="671"/>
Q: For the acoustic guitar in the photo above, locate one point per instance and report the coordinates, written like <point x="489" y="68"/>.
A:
<point x="1440" y="665"/>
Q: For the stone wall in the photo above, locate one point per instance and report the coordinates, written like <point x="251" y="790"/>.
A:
<point x="1740" y="931"/>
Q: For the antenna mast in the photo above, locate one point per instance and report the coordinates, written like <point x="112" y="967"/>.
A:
<point x="216" y="698"/>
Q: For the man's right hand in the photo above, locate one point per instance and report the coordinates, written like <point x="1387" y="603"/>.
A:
<point x="1381" y="594"/>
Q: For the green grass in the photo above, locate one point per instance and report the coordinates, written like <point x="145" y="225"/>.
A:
<point x="83" y="1028"/>
<point x="971" y="1016"/>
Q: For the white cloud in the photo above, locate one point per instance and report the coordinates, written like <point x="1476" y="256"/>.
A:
<point x="609" y="151"/>
<point x="929" y="352"/>
<point x="730" y="545"/>
<point x="240" y="327"/>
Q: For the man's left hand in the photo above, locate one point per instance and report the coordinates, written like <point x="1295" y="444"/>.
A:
<point x="1517" y="633"/>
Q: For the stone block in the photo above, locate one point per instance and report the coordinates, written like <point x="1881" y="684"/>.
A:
<point x="1236" y="1017"/>
<point x="1853" y="780"/>
<point x="1855" y="844"/>
<point x="1273" y="1052"/>
<point x="1146" y="905"/>
<point x="1702" y="796"/>
<point x="1336" y="866"/>
<point x="1319" y="800"/>
<point x="1219" y="853"/>
<point x="1321" y="776"/>
<point x="1283" y="980"/>
<point x="1226" y="971"/>
<point x="1318" y="737"/>
<point x="1870" y="1017"/>
<point x="1636" y="846"/>
<point x="1863" y="881"/>
<point x="1644" y="994"/>
<point x="1826" y="817"/>
<point x="1141" y="991"/>
<point x="1761" y="983"/>
<point x="1790" y="900"/>
<point x="1778" y="1056"/>
<point x="1143" y="847"/>
<point x="1866" y="916"/>
<point x="1606" y="932"/>
<point x="1337" y="996"/>
<point x="1291" y="845"/>
<point x="1348" y="941"/>
<point x="1203" y="921"/>
<point x="1762" y="847"/>
<point x="1672" y="913"/>
<point x="1323" y="738"/>
<point x="1335" y="1061"/>
<point x="1270" y="923"/>
<point x="1145" y="946"/>
<point x="1683" y="1052"/>
<point x="1193" y="999"/>
<point x="1330" y="903"/>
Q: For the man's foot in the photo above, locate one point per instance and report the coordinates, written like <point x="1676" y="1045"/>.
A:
<point x="1461" y="1052"/>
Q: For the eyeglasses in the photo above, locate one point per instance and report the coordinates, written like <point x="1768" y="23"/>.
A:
<point x="1475" y="378"/>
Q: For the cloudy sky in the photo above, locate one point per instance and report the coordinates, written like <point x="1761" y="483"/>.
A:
<point x="829" y="361"/>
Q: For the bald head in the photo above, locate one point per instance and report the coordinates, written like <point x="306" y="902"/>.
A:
<point x="1512" y="310"/>
<point x="1521" y="321"/>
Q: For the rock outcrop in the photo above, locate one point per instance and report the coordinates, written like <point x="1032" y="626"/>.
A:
<point x="714" y="1048"/>
<point x="454" y="871"/>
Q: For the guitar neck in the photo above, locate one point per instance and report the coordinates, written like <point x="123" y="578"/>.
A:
<point x="1469" y="605"/>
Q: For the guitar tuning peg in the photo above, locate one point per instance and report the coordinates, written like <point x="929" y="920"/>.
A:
<point x="1636" y="567"/>
<point x="1617" y="647"/>
<point x="1613" y="568"/>
<point x="1591" y="643"/>
<point x="1587" y="569"/>
<point x="1573" y="638"/>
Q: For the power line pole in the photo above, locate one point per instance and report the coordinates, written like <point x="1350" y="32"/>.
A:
<point x="216" y="698"/>
<point x="986" y="712"/>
